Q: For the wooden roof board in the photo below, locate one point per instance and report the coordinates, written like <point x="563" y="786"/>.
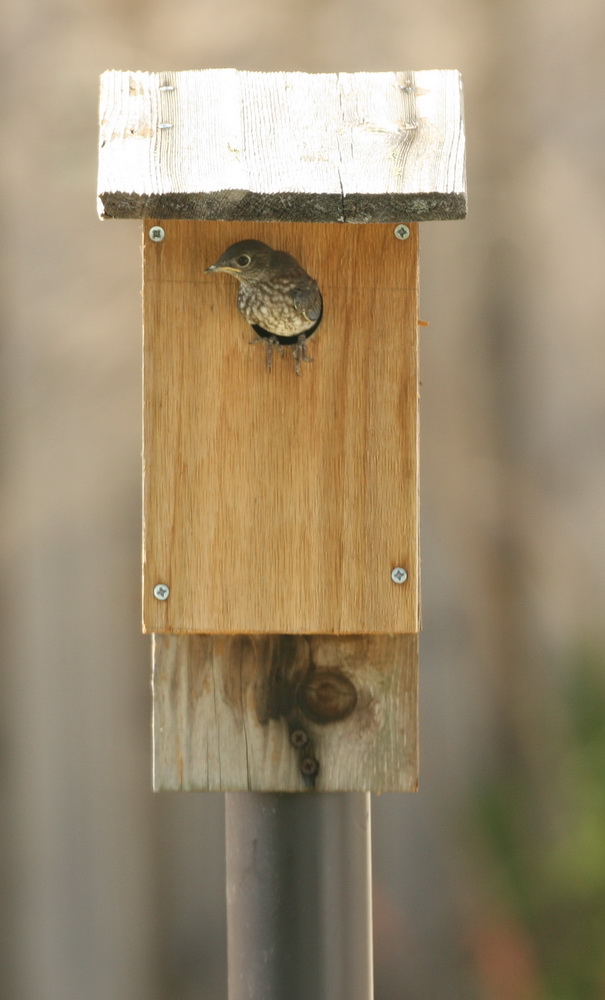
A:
<point x="299" y="147"/>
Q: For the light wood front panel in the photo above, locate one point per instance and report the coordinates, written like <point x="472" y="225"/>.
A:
<point x="272" y="503"/>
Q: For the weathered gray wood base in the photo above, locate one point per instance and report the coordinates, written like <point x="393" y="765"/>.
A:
<point x="285" y="713"/>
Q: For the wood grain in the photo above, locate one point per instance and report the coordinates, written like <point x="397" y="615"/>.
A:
<point x="224" y="709"/>
<point x="278" y="504"/>
<point x="324" y="147"/>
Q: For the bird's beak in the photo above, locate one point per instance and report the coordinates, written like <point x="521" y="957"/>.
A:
<point x="221" y="267"/>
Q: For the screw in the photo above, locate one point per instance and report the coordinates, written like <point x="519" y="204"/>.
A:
<point x="399" y="575"/>
<point x="309" y="766"/>
<point x="165" y="125"/>
<point x="402" y="231"/>
<point x="161" y="591"/>
<point x="157" y="234"/>
<point x="298" y="738"/>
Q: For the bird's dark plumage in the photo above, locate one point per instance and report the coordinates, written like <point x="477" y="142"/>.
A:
<point x="276" y="295"/>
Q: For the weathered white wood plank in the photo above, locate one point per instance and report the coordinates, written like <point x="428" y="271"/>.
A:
<point x="229" y="711"/>
<point x="222" y="144"/>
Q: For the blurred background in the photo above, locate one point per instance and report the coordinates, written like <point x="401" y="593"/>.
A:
<point x="490" y="882"/>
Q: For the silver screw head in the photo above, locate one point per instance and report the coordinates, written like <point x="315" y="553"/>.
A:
<point x="157" y="234"/>
<point x="399" y="575"/>
<point x="402" y="231"/>
<point x="161" y="591"/>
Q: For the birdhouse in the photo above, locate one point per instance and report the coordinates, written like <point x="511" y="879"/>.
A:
<point x="280" y="458"/>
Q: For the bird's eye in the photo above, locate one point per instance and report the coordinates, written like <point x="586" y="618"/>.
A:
<point x="244" y="260"/>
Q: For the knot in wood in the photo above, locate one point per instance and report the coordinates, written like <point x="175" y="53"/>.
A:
<point x="326" y="696"/>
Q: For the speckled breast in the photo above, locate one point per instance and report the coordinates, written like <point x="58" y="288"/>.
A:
<point x="270" y="305"/>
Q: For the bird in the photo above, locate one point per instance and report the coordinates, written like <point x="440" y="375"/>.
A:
<point x="278" y="298"/>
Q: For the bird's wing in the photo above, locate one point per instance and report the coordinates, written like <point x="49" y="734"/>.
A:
<point x="307" y="299"/>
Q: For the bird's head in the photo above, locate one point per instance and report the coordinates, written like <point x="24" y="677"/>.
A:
<point x="245" y="260"/>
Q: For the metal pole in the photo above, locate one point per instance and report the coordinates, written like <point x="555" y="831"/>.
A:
<point x="299" y="916"/>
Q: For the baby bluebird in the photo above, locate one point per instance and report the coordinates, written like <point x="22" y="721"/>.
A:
<point x="279" y="299"/>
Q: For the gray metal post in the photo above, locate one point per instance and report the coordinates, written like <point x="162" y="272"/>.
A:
<point x="299" y="916"/>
